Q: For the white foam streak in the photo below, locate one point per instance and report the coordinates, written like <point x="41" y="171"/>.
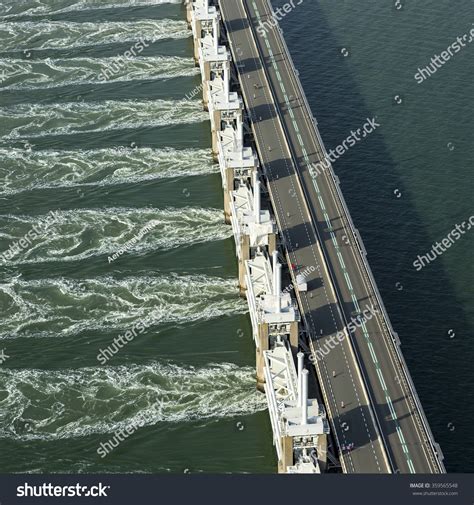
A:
<point x="22" y="74"/>
<point x="46" y="7"/>
<point x="26" y="120"/>
<point x="56" y="307"/>
<point x="22" y="36"/>
<point x="49" y="405"/>
<point x="23" y="170"/>
<point x="83" y="233"/>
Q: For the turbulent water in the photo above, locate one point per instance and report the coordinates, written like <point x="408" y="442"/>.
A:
<point x="51" y="73"/>
<point x="82" y="233"/>
<point x="12" y="9"/>
<point x="115" y="153"/>
<point x="60" y="307"/>
<point x="28" y="35"/>
<point x="25" y="169"/>
<point x="31" y="120"/>
<point x="50" y="405"/>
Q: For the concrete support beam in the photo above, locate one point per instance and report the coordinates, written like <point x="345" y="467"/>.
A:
<point x="272" y="243"/>
<point x="189" y="12"/>
<point x="244" y="256"/>
<point x="294" y="337"/>
<point x="322" y="450"/>
<point x="228" y="187"/>
<point x="263" y="345"/>
<point x="287" y="454"/>
<point x="273" y="313"/>
<point x="216" y="122"/>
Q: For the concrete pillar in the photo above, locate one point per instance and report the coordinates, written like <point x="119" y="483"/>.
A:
<point x="294" y="337"/>
<point x="205" y="95"/>
<point x="197" y="39"/>
<point x="286" y="454"/>
<point x="215" y="144"/>
<point x="215" y="129"/>
<point x="278" y="288"/>
<point x="263" y="345"/>
<point x="322" y="448"/>
<point x="227" y="211"/>
<point x="206" y="77"/>
<point x="189" y="11"/>
<point x="226" y="77"/>
<point x="244" y="256"/>
<point x="271" y="243"/>
<point x="240" y="134"/>
<point x="229" y="186"/>
<point x="274" y="269"/>
<point x="215" y="34"/>
<point x="300" y="357"/>
<point x="256" y="198"/>
<point x="304" y="397"/>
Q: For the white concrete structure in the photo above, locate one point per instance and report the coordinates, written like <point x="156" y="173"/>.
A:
<point x="299" y="424"/>
<point x="253" y="227"/>
<point x="272" y="311"/>
<point x="300" y="427"/>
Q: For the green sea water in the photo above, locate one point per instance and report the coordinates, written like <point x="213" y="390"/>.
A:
<point x="117" y="160"/>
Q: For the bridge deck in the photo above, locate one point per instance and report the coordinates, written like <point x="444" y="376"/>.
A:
<point x="380" y="415"/>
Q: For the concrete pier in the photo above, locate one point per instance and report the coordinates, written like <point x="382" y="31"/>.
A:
<point x="273" y="312"/>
